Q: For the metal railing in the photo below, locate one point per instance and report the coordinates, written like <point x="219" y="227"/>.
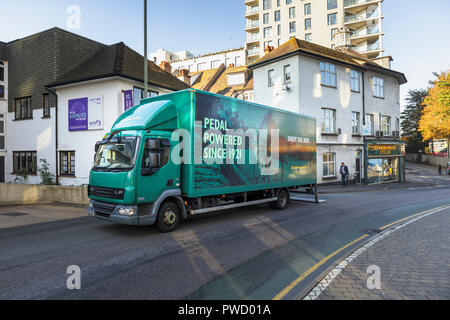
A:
<point x="253" y="24"/>
<point x="360" y="17"/>
<point x="365" y="32"/>
<point x="252" y="10"/>
<point x="349" y="3"/>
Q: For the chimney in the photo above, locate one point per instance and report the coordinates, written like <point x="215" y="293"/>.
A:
<point x="268" y="49"/>
<point x="183" y="75"/>
<point x="384" y="61"/>
<point x="231" y="65"/>
<point x="166" y="66"/>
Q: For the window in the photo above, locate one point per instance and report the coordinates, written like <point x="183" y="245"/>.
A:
<point x="287" y="73"/>
<point x="308" y="24"/>
<point x="328" y="120"/>
<point x="24" y="161"/>
<point x="307" y="9"/>
<point x="332" y="4"/>
<point x="267" y="4"/>
<point x="237" y="61"/>
<point x="308" y="37"/>
<point x="288" y="1"/>
<point x="45" y="106"/>
<point x="2" y="91"/>
<point x="329" y="164"/>
<point x="354" y="80"/>
<point x="333" y="46"/>
<point x="277" y="16"/>
<point x="138" y="94"/>
<point x="278" y="3"/>
<point x="270" y="79"/>
<point x="202" y="66"/>
<point x="153" y="93"/>
<point x="333" y="32"/>
<point x="355" y="122"/>
<point x="265" y="18"/>
<point x="23" y="108"/>
<point x="328" y="74"/>
<point x="292" y="13"/>
<point x="378" y="87"/>
<point x="292" y="26"/>
<point x="386" y="125"/>
<point x="268" y="32"/>
<point x="215" y="64"/>
<point x="370" y="122"/>
<point x="67" y="163"/>
<point x="279" y="42"/>
<point x="279" y="29"/>
<point x="2" y="132"/>
<point x="332" y="18"/>
<point x="268" y="43"/>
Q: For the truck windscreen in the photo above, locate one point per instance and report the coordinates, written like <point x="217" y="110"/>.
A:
<point x="116" y="155"/>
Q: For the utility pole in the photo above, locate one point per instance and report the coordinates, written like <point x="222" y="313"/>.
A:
<point x="145" y="52"/>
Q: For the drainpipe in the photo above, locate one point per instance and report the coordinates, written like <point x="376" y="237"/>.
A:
<point x="56" y="134"/>
<point x="365" y="162"/>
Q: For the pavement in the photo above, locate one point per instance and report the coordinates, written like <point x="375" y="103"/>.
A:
<point x="413" y="263"/>
<point x="250" y="253"/>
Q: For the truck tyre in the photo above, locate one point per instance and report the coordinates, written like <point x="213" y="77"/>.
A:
<point x="168" y="217"/>
<point x="282" y="200"/>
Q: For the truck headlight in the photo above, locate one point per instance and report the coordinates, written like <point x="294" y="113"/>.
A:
<point x="127" y="211"/>
<point x="91" y="204"/>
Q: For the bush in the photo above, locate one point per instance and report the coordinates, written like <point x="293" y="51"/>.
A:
<point x="44" y="172"/>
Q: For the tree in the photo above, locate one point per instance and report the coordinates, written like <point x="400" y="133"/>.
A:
<point x="410" y="121"/>
<point x="435" y="120"/>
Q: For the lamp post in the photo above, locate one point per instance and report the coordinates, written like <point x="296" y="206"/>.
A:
<point x="145" y="52"/>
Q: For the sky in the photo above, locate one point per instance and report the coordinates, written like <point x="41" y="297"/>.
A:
<point x="417" y="35"/>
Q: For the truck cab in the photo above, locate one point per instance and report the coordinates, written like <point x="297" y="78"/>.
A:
<point x="132" y="174"/>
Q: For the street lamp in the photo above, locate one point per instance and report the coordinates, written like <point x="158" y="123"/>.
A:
<point x="145" y="52"/>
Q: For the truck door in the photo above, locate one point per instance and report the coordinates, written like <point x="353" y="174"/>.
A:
<point x="157" y="172"/>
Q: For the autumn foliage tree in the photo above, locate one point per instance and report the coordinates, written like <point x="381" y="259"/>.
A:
<point x="435" y="120"/>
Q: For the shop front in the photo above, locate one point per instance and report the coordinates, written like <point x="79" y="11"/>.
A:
<point x="384" y="161"/>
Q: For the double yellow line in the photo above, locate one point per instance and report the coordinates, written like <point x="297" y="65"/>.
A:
<point x="294" y="283"/>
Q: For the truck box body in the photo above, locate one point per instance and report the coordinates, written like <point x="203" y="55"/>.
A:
<point x="198" y="111"/>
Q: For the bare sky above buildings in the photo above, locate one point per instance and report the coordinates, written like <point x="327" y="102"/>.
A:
<point x="416" y="31"/>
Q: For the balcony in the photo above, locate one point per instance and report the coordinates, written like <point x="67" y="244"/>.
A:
<point x="250" y="2"/>
<point x="252" y="25"/>
<point x="253" y="52"/>
<point x="371" y="50"/>
<point x="360" y="19"/>
<point x="353" y="6"/>
<point x="252" y="37"/>
<point x="252" y="12"/>
<point x="366" y="35"/>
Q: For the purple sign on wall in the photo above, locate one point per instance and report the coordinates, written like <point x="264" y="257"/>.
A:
<point x="78" y="114"/>
<point x="127" y="99"/>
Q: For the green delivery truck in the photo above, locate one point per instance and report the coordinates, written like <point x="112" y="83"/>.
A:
<point x="193" y="152"/>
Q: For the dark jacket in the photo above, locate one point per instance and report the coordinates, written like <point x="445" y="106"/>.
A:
<point x="345" y="170"/>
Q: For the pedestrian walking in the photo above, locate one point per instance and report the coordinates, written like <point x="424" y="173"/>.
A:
<point x="344" y="173"/>
<point x="440" y="170"/>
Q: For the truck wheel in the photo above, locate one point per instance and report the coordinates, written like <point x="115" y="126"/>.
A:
<point x="168" y="217"/>
<point x="282" y="200"/>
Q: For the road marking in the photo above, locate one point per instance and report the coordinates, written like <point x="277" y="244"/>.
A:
<point x="326" y="281"/>
<point x="286" y="290"/>
<point x="294" y="283"/>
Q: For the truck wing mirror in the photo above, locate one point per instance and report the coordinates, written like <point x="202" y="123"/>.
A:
<point x="99" y="143"/>
<point x="151" y="144"/>
<point x="151" y="164"/>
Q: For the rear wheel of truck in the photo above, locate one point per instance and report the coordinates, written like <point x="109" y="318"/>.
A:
<point x="168" y="217"/>
<point x="282" y="200"/>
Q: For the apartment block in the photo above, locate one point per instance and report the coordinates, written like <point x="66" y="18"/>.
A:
<point x="273" y="22"/>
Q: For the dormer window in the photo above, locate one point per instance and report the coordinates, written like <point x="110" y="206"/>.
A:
<point x="236" y="78"/>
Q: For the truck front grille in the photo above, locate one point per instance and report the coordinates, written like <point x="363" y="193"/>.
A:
<point x="105" y="192"/>
<point x="104" y="208"/>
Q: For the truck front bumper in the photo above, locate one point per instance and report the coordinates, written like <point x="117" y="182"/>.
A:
<point x="110" y="212"/>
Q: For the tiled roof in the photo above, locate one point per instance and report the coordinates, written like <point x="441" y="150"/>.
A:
<point x="120" y="60"/>
<point x="221" y="85"/>
<point x="346" y="56"/>
<point x="203" y="78"/>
